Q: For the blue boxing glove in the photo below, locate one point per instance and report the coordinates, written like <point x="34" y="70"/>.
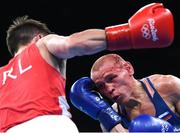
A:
<point x="147" y="123"/>
<point x="89" y="102"/>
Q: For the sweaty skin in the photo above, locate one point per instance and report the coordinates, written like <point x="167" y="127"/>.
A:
<point x="114" y="79"/>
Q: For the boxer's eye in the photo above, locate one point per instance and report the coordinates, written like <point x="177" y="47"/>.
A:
<point x="109" y="78"/>
<point x="100" y="85"/>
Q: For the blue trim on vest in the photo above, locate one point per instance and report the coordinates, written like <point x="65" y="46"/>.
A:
<point x="162" y="110"/>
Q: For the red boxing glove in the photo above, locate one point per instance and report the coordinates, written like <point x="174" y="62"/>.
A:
<point x="152" y="26"/>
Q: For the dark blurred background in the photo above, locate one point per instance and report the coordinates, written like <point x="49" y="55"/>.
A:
<point x="67" y="17"/>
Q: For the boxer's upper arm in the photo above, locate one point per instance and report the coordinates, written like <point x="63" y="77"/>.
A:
<point x="82" y="43"/>
<point x="169" y="87"/>
<point x="56" y="45"/>
<point x="175" y="89"/>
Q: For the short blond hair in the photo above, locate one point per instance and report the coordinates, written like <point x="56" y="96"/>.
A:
<point x="100" y="61"/>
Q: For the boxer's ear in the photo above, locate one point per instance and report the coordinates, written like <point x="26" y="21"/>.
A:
<point x="37" y="37"/>
<point x="127" y="65"/>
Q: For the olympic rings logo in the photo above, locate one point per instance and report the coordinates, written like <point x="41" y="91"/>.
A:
<point x="150" y="31"/>
<point x="145" y="31"/>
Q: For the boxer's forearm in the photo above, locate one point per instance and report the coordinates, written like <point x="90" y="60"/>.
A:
<point x="119" y="128"/>
<point x="86" y="42"/>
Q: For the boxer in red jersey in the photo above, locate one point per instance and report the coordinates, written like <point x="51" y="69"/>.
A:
<point x="32" y="84"/>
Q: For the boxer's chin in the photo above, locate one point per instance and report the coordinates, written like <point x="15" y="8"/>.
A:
<point x="121" y="100"/>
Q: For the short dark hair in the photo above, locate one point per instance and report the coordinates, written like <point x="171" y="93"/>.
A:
<point x="22" y="31"/>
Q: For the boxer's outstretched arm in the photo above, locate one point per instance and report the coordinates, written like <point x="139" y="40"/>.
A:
<point x="150" y="27"/>
<point x="173" y="83"/>
<point x="82" y="43"/>
<point x="169" y="86"/>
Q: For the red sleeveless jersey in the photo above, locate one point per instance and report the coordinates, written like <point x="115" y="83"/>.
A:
<point x="30" y="87"/>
